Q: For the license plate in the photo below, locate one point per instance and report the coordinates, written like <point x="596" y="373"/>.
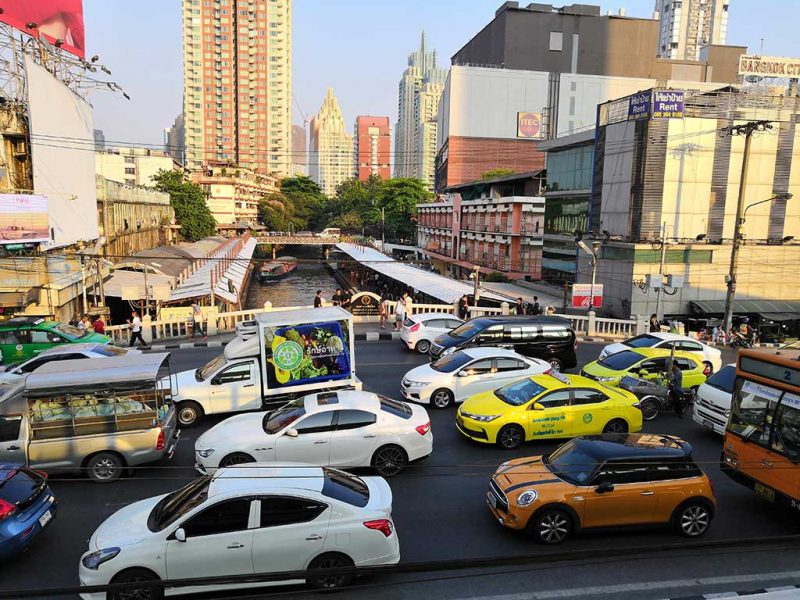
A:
<point x="492" y="500"/>
<point x="707" y="423"/>
<point x="45" y="518"/>
<point x="765" y="492"/>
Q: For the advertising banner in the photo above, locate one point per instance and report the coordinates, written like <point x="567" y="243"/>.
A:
<point x="639" y="106"/>
<point x="529" y="125"/>
<point x="55" y="19"/>
<point x="308" y="353"/>
<point x="668" y="104"/>
<point x="769" y="66"/>
<point x="23" y="219"/>
<point x="581" y="293"/>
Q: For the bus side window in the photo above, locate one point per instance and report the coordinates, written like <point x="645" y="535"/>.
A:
<point x="786" y="436"/>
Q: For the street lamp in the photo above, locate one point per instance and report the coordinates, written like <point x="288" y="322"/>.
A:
<point x="592" y="252"/>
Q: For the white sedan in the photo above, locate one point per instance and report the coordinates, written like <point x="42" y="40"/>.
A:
<point x="13" y="373"/>
<point x="711" y="356"/>
<point x="244" y="521"/>
<point x="341" y="429"/>
<point x="420" y="330"/>
<point x="464" y="373"/>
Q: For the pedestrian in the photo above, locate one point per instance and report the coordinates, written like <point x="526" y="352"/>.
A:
<point x="81" y="325"/>
<point x="99" y="325"/>
<point x="383" y="310"/>
<point x="655" y="326"/>
<point x="318" y="299"/>
<point x="676" y="390"/>
<point x="550" y="310"/>
<point x="345" y="301"/>
<point x="463" y="307"/>
<point x="520" y="306"/>
<point x="84" y="324"/>
<point x="136" y="329"/>
<point x="537" y="310"/>
<point x="715" y="335"/>
<point x="197" y="321"/>
<point x="408" y="303"/>
<point x="399" y="314"/>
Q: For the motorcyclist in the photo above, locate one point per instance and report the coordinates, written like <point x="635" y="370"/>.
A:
<point x="676" y="390"/>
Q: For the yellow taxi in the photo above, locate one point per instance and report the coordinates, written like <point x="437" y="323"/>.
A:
<point x="552" y="405"/>
<point x="648" y="363"/>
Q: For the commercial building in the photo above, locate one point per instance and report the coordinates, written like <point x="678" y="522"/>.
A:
<point x="419" y="92"/>
<point x="99" y="140"/>
<point x="665" y="187"/>
<point x="175" y="140"/>
<point x="299" y="150"/>
<point x="372" y="147"/>
<point x="687" y="26"/>
<point x="496" y="224"/>
<point x="237" y="66"/>
<point x="234" y="192"/>
<point x="331" y="146"/>
<point x="133" y="166"/>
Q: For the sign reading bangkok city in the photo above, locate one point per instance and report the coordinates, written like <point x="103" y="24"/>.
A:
<point x="668" y="104"/>
<point x="529" y="125"/>
<point x="769" y="66"/>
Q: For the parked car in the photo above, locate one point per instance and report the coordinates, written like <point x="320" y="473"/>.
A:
<point x="553" y="405"/>
<point x="420" y="330"/>
<point x="549" y="338"/>
<point x="13" y="373"/>
<point x="712" y="407"/>
<point x="27" y="506"/>
<point x="22" y="338"/>
<point x="241" y="521"/>
<point x="711" y="356"/>
<point x="647" y="362"/>
<point x="464" y="373"/>
<point x="342" y="429"/>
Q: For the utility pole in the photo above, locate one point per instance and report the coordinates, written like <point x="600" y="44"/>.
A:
<point x="747" y="130"/>
<point x="660" y="289"/>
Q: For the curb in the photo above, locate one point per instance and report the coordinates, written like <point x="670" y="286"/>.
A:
<point x="738" y="594"/>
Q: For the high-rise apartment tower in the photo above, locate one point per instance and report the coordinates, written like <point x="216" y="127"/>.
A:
<point x="330" y="156"/>
<point x="687" y="26"/>
<point x="372" y="147"/>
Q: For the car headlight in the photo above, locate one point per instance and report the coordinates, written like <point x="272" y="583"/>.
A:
<point x="485" y="418"/>
<point x="605" y="378"/>
<point x="448" y="351"/>
<point x="95" y="559"/>
<point x="206" y="453"/>
<point x="527" y="498"/>
<point x="410" y="383"/>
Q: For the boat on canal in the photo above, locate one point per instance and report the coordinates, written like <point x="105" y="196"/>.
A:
<point x="277" y="269"/>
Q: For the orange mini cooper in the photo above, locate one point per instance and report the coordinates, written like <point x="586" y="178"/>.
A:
<point x="603" y="481"/>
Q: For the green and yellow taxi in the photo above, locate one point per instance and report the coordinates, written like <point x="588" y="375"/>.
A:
<point x="552" y="405"/>
<point x="648" y="363"/>
<point x="22" y="338"/>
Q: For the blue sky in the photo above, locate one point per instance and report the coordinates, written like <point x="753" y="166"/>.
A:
<point x="358" y="47"/>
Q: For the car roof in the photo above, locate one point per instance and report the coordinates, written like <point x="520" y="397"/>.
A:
<point x="433" y="315"/>
<point x="490" y="352"/>
<point x="664" y="335"/>
<point x="659" y="352"/>
<point x="18" y="322"/>
<point x="544" y="319"/>
<point x="633" y="446"/>
<point x="70" y="348"/>
<point x="262" y="477"/>
<point x="553" y="381"/>
<point x="342" y="399"/>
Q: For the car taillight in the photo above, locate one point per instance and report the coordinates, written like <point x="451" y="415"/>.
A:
<point x="414" y="327"/>
<point x="706" y="370"/>
<point x="7" y="509"/>
<point x="161" y="442"/>
<point x="41" y="474"/>
<point x="423" y="429"/>
<point x="382" y="525"/>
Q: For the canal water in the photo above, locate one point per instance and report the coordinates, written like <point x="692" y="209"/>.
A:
<point x="298" y="288"/>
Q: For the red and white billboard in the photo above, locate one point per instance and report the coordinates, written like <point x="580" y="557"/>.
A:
<point x="56" y="19"/>
<point x="581" y="293"/>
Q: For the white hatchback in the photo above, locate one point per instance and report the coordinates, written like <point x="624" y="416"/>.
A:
<point x="711" y="356"/>
<point x="464" y="373"/>
<point x="420" y="330"/>
<point x="340" y="429"/>
<point x="248" y="520"/>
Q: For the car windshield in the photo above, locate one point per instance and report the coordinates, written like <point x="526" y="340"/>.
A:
<point x="571" y="464"/>
<point x="621" y="360"/>
<point x="468" y="330"/>
<point x="451" y="363"/>
<point x="70" y="331"/>
<point x="519" y="392"/>
<point x="642" y="341"/>
<point x="210" y="368"/>
<point x="284" y="416"/>
<point x="723" y="379"/>
<point x="177" y="504"/>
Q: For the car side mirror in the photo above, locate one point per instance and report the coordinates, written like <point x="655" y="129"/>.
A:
<point x="291" y="432"/>
<point x="180" y="534"/>
<point x="604" y="487"/>
<point x="537" y="406"/>
<point x="643" y="372"/>
<point x="463" y="373"/>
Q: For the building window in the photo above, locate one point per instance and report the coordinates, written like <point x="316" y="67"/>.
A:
<point x="130" y="170"/>
<point x="556" y="41"/>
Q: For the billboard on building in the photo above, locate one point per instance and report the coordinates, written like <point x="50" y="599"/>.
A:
<point x="581" y="292"/>
<point x="23" y="219"/>
<point x="62" y="156"/>
<point x="639" y="105"/>
<point x="55" y="19"/>
<point x="668" y="104"/>
<point x="769" y="66"/>
<point x="529" y="125"/>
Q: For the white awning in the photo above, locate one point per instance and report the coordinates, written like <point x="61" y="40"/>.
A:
<point x="118" y="280"/>
<point x="228" y="286"/>
<point x="435" y="285"/>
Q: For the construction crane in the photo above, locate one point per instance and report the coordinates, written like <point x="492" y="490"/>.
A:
<point x="300" y="110"/>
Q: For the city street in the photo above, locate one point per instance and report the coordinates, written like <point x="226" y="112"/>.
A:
<point x="439" y="506"/>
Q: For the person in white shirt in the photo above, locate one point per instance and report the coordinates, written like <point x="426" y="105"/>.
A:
<point x="136" y="328"/>
<point x="399" y="314"/>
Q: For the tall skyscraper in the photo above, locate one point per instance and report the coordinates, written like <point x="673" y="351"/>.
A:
<point x="372" y="147"/>
<point x="299" y="150"/>
<point x="689" y="25"/>
<point x="419" y="93"/>
<point x="174" y="140"/>
<point x="330" y="154"/>
<point x="237" y="90"/>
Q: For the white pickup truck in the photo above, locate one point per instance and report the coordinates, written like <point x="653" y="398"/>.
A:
<point x="279" y="356"/>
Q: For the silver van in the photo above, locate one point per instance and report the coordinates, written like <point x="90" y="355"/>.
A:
<point x="98" y="416"/>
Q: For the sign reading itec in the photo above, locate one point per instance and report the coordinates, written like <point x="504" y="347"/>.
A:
<point x="529" y="125"/>
<point x="581" y="293"/>
<point x="769" y="66"/>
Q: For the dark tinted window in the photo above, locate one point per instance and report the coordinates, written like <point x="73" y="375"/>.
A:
<point x="519" y="392"/>
<point x="621" y="360"/>
<point x="224" y="517"/>
<point x="179" y="503"/>
<point x="618" y="473"/>
<point x="690" y="346"/>
<point x="684" y="364"/>
<point x="723" y="379"/>
<point x="345" y="487"/>
<point x="655" y="365"/>
<point x="240" y="372"/>
<point x="353" y="419"/>
<point x="15" y="337"/>
<point x="45" y="337"/>
<point x="316" y="423"/>
<point x="555" y="334"/>
<point x="555" y="400"/>
<point x="20" y="487"/>
<point x="451" y="363"/>
<point x="277" y="511"/>
<point x="9" y="428"/>
<point x="395" y="407"/>
<point x="642" y="341"/>
<point x="38" y="362"/>
<point x="480" y="367"/>
<point x="571" y="464"/>
<point x="665" y="470"/>
<point x="581" y="397"/>
<point x="510" y="364"/>
<point x="284" y="416"/>
<point x="490" y="334"/>
<point x="469" y="329"/>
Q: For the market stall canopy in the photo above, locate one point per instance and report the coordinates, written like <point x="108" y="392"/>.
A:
<point x="774" y="310"/>
<point x="130" y="280"/>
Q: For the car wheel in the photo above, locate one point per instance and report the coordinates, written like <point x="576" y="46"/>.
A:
<point x="551" y="526"/>
<point x="616" y="426"/>
<point x="237" y="458"/>
<point x="388" y="461"/>
<point x="104" y="467"/>
<point x="189" y="412"/>
<point x="136" y="576"/>
<point x="442" y="398"/>
<point x="649" y="407"/>
<point x="555" y="364"/>
<point x="511" y="437"/>
<point x="423" y="346"/>
<point x="692" y="519"/>
<point x="330" y="561"/>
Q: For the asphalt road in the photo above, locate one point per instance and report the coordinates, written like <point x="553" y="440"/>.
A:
<point x="439" y="507"/>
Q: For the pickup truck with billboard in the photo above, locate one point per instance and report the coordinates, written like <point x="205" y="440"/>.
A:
<point x="277" y="357"/>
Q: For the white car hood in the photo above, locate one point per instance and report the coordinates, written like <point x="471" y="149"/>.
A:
<point x="614" y="348"/>
<point x="126" y="526"/>
<point x="239" y="430"/>
<point x="187" y="385"/>
<point x="7" y="378"/>
<point x="424" y="374"/>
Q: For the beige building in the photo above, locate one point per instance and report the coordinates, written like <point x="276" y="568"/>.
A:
<point x="234" y="192"/>
<point x="133" y="166"/>
<point x="330" y="154"/>
<point x="688" y="26"/>
<point x="237" y="92"/>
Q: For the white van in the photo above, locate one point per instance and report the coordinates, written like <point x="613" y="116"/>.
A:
<point x="713" y="404"/>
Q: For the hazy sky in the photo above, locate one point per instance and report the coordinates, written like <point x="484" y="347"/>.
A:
<point x="358" y="47"/>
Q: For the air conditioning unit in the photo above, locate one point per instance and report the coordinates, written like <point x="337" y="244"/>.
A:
<point x="654" y="281"/>
<point x="675" y="281"/>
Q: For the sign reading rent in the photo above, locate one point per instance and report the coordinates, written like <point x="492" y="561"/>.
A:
<point x="668" y="104"/>
<point x="639" y="106"/>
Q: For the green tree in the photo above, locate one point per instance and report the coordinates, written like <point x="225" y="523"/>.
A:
<point x="188" y="200"/>
<point x="398" y="199"/>
<point x="305" y="203"/>
<point x="497" y="173"/>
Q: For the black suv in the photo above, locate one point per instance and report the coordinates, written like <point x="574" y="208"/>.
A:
<point x="549" y="338"/>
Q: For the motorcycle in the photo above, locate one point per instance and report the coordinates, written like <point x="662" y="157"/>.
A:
<point x="655" y="396"/>
<point x="740" y="341"/>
